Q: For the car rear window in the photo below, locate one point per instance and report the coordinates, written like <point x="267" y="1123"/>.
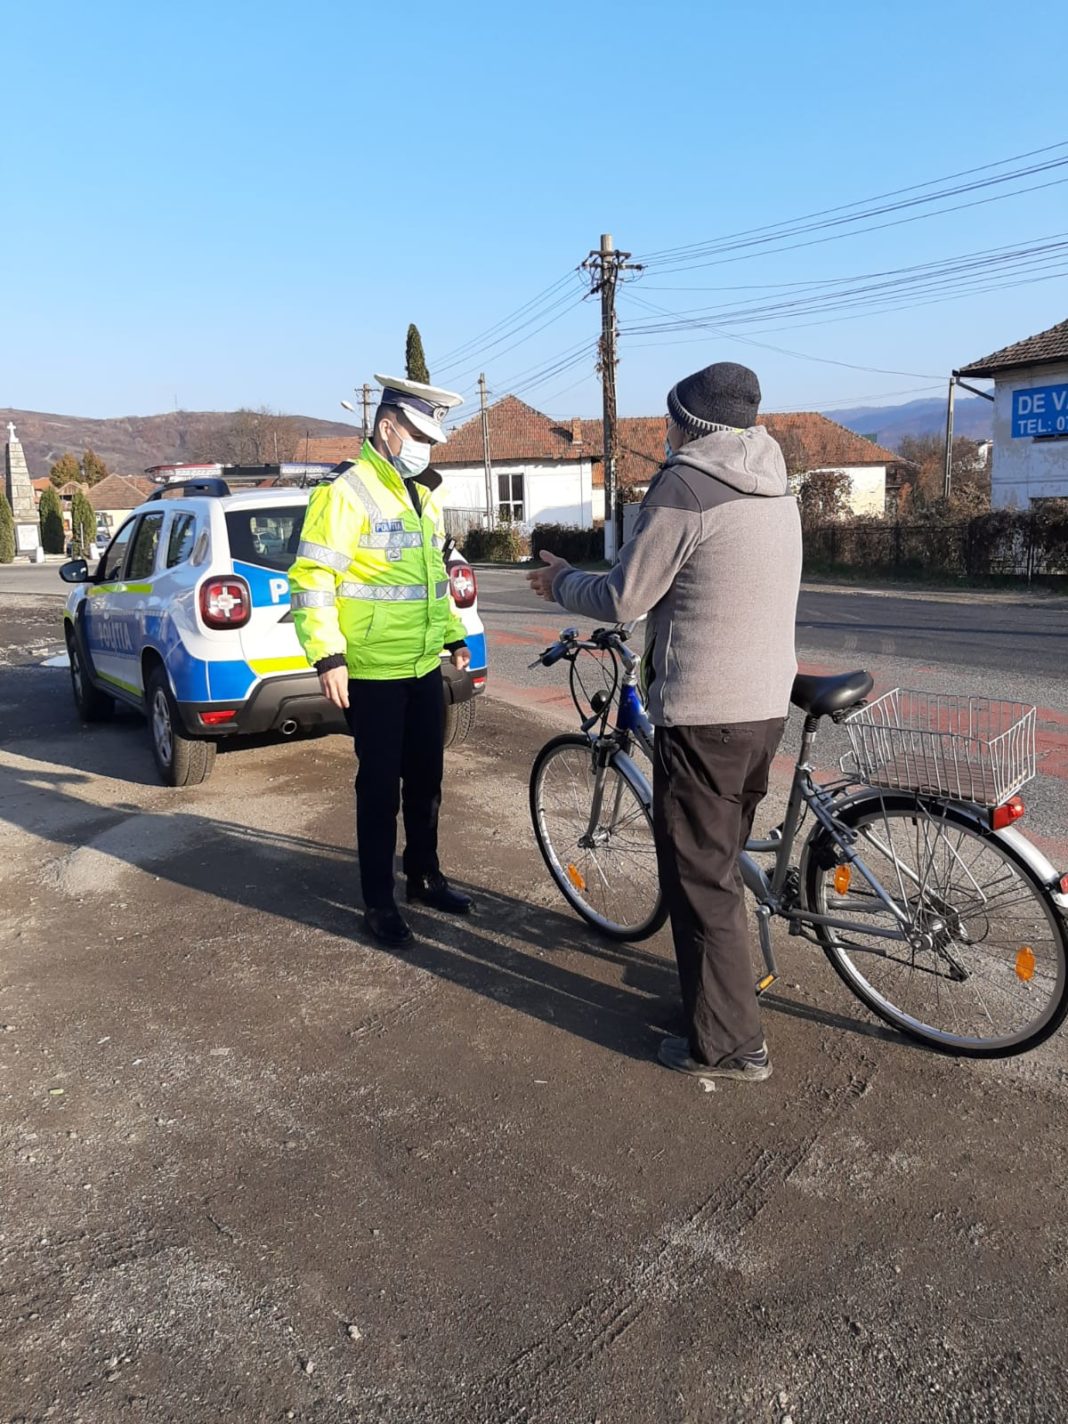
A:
<point x="265" y="536"/>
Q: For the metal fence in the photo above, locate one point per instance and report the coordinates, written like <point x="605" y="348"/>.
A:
<point x="1001" y="544"/>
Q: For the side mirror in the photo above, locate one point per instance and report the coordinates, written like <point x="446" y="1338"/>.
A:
<point x="76" y="571"/>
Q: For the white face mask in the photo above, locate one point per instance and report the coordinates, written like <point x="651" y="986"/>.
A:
<point x="412" y="458"/>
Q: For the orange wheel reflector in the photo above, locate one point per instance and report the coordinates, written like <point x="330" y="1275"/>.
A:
<point x="842" y="876"/>
<point x="1025" y="963"/>
<point x="575" y="875"/>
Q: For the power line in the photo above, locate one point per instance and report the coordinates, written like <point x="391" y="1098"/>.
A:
<point x="460" y="352"/>
<point x="869" y="207"/>
<point x="922" y="284"/>
<point x="875" y="227"/>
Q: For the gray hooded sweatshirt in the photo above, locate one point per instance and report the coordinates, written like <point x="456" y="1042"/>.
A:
<point x="716" y="563"/>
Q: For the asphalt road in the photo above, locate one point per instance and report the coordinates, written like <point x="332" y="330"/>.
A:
<point x="253" y="1168"/>
<point x="976" y="631"/>
<point x="973" y="644"/>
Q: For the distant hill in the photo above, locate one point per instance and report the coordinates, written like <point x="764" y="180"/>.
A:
<point x="889" y="424"/>
<point x="129" y="444"/>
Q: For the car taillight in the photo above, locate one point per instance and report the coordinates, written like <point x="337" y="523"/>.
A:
<point x="217" y="719"/>
<point x="225" y="602"/>
<point x="464" y="585"/>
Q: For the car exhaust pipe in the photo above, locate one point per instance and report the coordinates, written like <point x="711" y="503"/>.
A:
<point x="288" y="727"/>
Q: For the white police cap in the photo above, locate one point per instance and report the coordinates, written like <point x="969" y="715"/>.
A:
<point x="425" y="406"/>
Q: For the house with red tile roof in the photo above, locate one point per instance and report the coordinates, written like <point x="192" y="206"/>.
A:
<point x="551" y="471"/>
<point x="114" y="496"/>
<point x="542" y="469"/>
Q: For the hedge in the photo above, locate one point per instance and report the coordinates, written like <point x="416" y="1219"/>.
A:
<point x="568" y="541"/>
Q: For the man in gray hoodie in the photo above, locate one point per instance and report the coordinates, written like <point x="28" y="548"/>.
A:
<point x="715" y="561"/>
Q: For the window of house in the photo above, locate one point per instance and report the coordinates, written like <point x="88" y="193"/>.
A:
<point x="145" y="545"/>
<point x="111" y="567"/>
<point x="180" y="544"/>
<point x="510" y="503"/>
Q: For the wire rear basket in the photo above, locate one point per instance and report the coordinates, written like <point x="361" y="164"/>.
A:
<point x="958" y="748"/>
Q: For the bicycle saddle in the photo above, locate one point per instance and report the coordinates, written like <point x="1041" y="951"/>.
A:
<point x="823" y="696"/>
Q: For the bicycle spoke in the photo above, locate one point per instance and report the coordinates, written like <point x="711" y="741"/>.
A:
<point x="985" y="962"/>
<point x="595" y="831"/>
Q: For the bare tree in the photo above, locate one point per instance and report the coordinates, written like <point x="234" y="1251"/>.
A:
<point x="928" y="453"/>
<point x="252" y="437"/>
<point x="823" y="496"/>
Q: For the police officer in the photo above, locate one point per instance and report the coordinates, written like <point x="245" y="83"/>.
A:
<point x="373" y="612"/>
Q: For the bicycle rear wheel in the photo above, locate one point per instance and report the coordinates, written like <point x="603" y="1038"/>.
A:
<point x="606" y="871"/>
<point x="984" y="973"/>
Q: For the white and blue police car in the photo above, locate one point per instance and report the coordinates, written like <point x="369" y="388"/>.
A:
<point x="186" y="618"/>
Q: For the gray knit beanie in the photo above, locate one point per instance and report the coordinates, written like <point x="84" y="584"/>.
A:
<point x="722" y="396"/>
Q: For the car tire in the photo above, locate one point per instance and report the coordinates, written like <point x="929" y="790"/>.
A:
<point x="459" y="721"/>
<point x="92" y="704"/>
<point x="181" y="760"/>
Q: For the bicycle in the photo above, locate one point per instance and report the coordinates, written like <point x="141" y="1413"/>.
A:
<point x="966" y="951"/>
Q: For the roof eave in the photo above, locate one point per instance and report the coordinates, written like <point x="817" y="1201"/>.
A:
<point x="989" y="369"/>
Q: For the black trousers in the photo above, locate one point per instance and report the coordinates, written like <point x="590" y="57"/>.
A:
<point x="707" y="784"/>
<point x="399" y="731"/>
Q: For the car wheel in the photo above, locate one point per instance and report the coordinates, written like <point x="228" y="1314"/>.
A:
<point x="181" y="760"/>
<point x="459" y="720"/>
<point x="92" y="704"/>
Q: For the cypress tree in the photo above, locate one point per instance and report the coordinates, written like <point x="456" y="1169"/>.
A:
<point x="82" y="525"/>
<point x="7" y="531"/>
<point x="50" y="515"/>
<point x="414" y="360"/>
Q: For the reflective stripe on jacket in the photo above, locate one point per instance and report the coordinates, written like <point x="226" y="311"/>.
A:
<point x="369" y="579"/>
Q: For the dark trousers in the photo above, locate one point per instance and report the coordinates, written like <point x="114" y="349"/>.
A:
<point x="399" y="731"/>
<point x="707" y="784"/>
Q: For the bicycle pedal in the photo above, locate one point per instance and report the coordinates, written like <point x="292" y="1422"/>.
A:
<point x="765" y="983"/>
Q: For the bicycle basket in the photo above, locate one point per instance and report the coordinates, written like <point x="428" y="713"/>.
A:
<point x="959" y="748"/>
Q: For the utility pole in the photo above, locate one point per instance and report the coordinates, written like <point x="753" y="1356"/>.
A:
<point x="486" y="451"/>
<point x="366" y="410"/>
<point x="947" y="479"/>
<point x="605" y="265"/>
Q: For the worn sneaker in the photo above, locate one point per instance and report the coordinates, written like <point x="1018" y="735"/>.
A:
<point x="745" y="1067"/>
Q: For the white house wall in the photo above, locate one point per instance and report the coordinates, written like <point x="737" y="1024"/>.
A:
<point x="555" y="491"/>
<point x="1024" y="468"/>
<point x="867" y="487"/>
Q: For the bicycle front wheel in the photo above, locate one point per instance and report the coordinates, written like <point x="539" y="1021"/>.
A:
<point x="605" y="864"/>
<point x="981" y="969"/>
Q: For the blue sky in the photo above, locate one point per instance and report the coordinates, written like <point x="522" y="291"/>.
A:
<point x="235" y="203"/>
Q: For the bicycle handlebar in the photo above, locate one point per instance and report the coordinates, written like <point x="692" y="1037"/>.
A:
<point x="601" y="640"/>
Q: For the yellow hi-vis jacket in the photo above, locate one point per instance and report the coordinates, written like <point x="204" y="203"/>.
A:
<point x="369" y="579"/>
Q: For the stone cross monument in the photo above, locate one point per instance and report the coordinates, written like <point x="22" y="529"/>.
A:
<point x="19" y="492"/>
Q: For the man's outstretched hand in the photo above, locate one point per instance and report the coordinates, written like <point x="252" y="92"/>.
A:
<point x="541" y="580"/>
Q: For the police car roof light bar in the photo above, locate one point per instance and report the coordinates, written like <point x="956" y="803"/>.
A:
<point x="219" y="488"/>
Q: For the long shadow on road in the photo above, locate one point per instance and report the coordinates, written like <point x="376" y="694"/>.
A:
<point x="510" y="951"/>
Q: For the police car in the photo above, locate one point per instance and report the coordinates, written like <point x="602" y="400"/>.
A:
<point x="187" y="619"/>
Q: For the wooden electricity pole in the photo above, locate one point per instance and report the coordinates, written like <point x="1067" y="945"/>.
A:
<point x="605" y="265"/>
<point x="490" y="522"/>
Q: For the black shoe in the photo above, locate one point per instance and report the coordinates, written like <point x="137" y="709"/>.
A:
<point x="388" y="926"/>
<point x="743" y="1068"/>
<point x="435" y="890"/>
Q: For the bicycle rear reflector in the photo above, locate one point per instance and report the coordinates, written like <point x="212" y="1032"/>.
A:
<point x="1003" y="816"/>
<point x="1025" y="963"/>
<point x="842" y="876"/>
<point x="575" y="875"/>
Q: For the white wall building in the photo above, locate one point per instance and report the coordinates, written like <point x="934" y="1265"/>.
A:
<point x="542" y="469"/>
<point x="1030" y="455"/>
